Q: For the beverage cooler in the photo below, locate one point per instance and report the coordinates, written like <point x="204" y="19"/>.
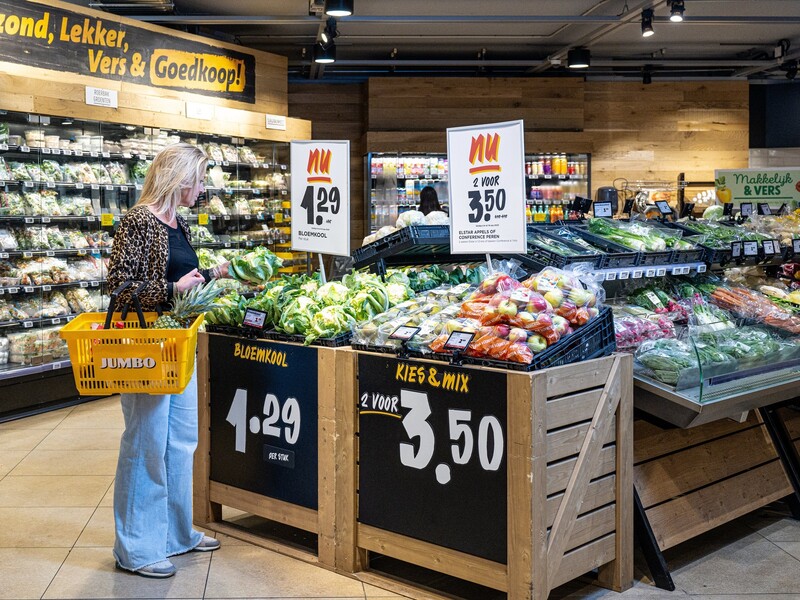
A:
<point x="394" y="181"/>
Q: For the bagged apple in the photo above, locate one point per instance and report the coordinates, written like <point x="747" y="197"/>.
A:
<point x="568" y="293"/>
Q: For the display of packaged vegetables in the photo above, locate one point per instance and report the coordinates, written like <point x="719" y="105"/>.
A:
<point x="19" y="171"/>
<point x="552" y="245"/>
<point x="51" y="171"/>
<point x="719" y="236"/>
<point x="638" y="235"/>
<point x="11" y="204"/>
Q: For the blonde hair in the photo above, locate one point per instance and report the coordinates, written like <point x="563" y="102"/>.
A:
<point x="174" y="168"/>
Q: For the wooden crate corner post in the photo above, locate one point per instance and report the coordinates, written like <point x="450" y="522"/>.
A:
<point x="205" y="511"/>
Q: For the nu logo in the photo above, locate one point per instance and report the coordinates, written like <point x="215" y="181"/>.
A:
<point x="319" y="166"/>
<point x="484" y="149"/>
<point x="128" y="363"/>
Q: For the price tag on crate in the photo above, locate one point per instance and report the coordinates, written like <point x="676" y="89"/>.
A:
<point x="771" y="247"/>
<point x="28" y="220"/>
<point x="624" y="275"/>
<point x="27" y="255"/>
<point x="254" y="318"/>
<point x="50" y="185"/>
<point x="45" y="150"/>
<point x="27" y="324"/>
<point x="750" y="249"/>
<point x="84" y="284"/>
<point x="95" y="186"/>
<point x="602" y="209"/>
<point x="746" y="209"/>
<point x="701" y="268"/>
<point x="404" y="333"/>
<point x="736" y="249"/>
<point x="109" y="188"/>
<point x="49" y="253"/>
<point x="662" y="272"/>
<point x="611" y="276"/>
<point x="636" y="274"/>
<point x="4" y="254"/>
<point x="79" y="186"/>
<point x="202" y="219"/>
<point x="459" y="340"/>
<point x="106" y="219"/>
<point x="106" y="154"/>
<point x="45" y="219"/>
<point x="28" y="289"/>
<point x="764" y="209"/>
<point x="123" y="188"/>
<point x="650" y="273"/>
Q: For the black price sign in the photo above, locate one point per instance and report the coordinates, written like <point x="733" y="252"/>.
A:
<point x="771" y="247"/>
<point x="432" y="453"/>
<point x="736" y="249"/>
<point x="628" y="207"/>
<point x="796" y="247"/>
<point x="602" y="209"/>
<point x="459" y="340"/>
<point x="264" y="418"/>
<point x="404" y="333"/>
<point x="663" y="207"/>
<point x="688" y="209"/>
<point x="746" y="209"/>
<point x="254" y="318"/>
<point x="764" y="209"/>
<point x="727" y="209"/>
<point x="750" y="248"/>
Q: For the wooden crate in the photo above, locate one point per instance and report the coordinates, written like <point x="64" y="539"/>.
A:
<point x="568" y="485"/>
<point x="692" y="480"/>
<point x="335" y="380"/>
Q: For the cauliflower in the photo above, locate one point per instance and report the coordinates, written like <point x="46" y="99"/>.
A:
<point x="383" y="232"/>
<point x="437" y="217"/>
<point x="410" y="217"/>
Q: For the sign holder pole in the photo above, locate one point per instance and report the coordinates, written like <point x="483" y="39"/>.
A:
<point x="489" y="263"/>
<point x="322" y="276"/>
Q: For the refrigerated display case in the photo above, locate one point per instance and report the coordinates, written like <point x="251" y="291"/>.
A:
<point x="394" y="181"/>
<point x="64" y="185"/>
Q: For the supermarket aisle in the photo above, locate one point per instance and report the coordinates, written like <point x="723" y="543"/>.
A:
<point x="56" y="533"/>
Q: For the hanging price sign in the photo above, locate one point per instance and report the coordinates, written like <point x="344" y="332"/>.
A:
<point x="321" y="197"/>
<point x="487" y="188"/>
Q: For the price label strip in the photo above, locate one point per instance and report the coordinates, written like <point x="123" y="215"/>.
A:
<point x="796" y="247"/>
<point x="404" y="333"/>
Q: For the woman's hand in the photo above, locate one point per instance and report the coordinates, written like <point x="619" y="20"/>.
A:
<point x="188" y="281"/>
<point x="221" y="271"/>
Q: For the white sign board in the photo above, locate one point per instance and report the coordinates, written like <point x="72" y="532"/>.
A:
<point x="276" y="122"/>
<point x="200" y="111"/>
<point x="321" y="197"/>
<point x="487" y="188"/>
<point x="101" y="97"/>
<point x="774" y="186"/>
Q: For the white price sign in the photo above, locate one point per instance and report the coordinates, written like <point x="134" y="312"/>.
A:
<point x="321" y="197"/>
<point x="101" y="97"/>
<point x="487" y="188"/>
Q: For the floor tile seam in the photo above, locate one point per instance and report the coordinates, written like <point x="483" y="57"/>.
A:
<point x="57" y="571"/>
<point x="789" y="554"/>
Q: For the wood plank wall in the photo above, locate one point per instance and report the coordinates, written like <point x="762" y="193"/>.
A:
<point x="338" y="112"/>
<point x="634" y="131"/>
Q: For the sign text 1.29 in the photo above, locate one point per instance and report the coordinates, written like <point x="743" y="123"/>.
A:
<point x="277" y="422"/>
<point x="326" y="201"/>
<point x="418" y="455"/>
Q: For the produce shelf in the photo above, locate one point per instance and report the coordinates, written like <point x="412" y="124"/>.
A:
<point x="616" y="254"/>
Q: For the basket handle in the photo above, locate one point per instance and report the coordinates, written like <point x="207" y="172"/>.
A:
<point x="126" y="307"/>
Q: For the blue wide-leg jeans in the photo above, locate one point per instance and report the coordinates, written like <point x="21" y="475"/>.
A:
<point x="153" y="486"/>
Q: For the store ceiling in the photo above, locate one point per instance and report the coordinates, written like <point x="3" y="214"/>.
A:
<point x="719" y="39"/>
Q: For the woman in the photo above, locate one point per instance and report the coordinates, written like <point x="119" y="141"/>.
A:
<point x="428" y="200"/>
<point x="153" y="485"/>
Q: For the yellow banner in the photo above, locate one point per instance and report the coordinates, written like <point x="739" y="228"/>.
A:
<point x="191" y="70"/>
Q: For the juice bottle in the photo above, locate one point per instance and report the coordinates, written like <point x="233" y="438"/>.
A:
<point x="547" y="166"/>
<point x="528" y="214"/>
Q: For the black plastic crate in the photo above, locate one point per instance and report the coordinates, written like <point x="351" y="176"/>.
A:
<point x="688" y="256"/>
<point x="343" y="339"/>
<point x="243" y="332"/>
<point x="616" y="256"/>
<point x="651" y="259"/>
<point x="415" y="239"/>
<point x="553" y="259"/>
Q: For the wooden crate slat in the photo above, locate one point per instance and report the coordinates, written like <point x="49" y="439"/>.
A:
<point x="578" y="377"/>
<point x="689" y="516"/>
<point x="792" y="420"/>
<point x="571" y="409"/>
<point x="558" y="473"/>
<point x="598" y="493"/>
<point x="602" y="425"/>
<point x="682" y="472"/>
<point x="584" y="559"/>
<point x="568" y="441"/>
<point x="431" y="556"/>
<point x="269" y="508"/>
<point x="653" y="441"/>
<point x="592" y="526"/>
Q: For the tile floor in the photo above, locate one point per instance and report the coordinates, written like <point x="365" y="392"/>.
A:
<point x="56" y="533"/>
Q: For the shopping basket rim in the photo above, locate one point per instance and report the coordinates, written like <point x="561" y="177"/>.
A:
<point x="79" y="327"/>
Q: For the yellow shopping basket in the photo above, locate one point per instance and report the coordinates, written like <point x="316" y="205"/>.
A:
<point x="129" y="358"/>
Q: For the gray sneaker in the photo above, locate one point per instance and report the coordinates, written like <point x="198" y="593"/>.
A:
<point x="160" y="570"/>
<point x="207" y="544"/>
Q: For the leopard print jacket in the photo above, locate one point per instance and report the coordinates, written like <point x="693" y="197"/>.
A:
<point x="140" y="254"/>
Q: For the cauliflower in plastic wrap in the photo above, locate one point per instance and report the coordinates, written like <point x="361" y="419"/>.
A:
<point x="410" y="217"/>
<point x="437" y="217"/>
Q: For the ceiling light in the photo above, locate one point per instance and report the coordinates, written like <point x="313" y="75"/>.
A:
<point x="647" y="22"/>
<point x="676" y="12"/>
<point x="578" y="58"/>
<point x="325" y="55"/>
<point x="329" y="32"/>
<point x="339" y="8"/>
<point x="66" y="122"/>
<point x="791" y="70"/>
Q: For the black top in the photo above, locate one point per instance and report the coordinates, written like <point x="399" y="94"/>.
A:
<point x="182" y="257"/>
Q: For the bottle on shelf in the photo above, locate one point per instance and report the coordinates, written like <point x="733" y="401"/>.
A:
<point x="528" y="214"/>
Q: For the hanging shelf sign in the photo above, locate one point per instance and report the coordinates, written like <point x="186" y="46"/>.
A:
<point x="67" y="41"/>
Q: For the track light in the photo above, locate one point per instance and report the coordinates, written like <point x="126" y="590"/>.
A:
<point x="791" y="70"/>
<point x="579" y="58"/>
<point x="339" y="8"/>
<point x="647" y="22"/>
<point x="325" y="55"/>
<point x="647" y="75"/>
<point x="676" y="11"/>
<point x="330" y="32"/>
